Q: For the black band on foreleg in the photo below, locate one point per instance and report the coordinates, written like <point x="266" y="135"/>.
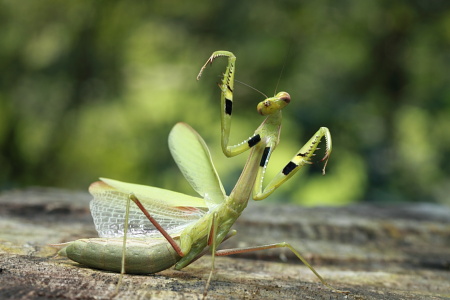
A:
<point x="254" y="140"/>
<point x="228" y="106"/>
<point x="264" y="157"/>
<point x="289" y="168"/>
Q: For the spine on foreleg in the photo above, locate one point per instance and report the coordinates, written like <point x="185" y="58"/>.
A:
<point x="143" y="256"/>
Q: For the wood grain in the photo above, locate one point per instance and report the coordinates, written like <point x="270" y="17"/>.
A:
<point x="373" y="251"/>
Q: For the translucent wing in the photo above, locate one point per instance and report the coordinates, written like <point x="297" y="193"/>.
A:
<point x="192" y="156"/>
<point x="174" y="211"/>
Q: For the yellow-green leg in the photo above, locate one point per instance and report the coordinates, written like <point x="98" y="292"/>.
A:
<point x="302" y="157"/>
<point x="267" y="134"/>
<point x="226" y="100"/>
<point x="212" y="243"/>
<point x="279" y="245"/>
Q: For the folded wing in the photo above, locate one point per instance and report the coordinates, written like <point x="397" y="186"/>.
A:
<point x="174" y="211"/>
<point x="192" y="156"/>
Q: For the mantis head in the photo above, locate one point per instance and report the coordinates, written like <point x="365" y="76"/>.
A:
<point x="273" y="104"/>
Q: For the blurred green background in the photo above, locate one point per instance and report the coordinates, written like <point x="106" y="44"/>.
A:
<point x="92" y="88"/>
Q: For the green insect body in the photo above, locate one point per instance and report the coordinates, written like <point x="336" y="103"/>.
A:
<point x="143" y="256"/>
<point x="190" y="224"/>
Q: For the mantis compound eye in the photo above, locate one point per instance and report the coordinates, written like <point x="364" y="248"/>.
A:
<point x="284" y="96"/>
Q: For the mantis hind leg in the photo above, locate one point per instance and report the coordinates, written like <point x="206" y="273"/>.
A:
<point x="155" y="223"/>
<point x="212" y="242"/>
<point x="124" y="246"/>
<point x="229" y="235"/>
<point x="172" y="242"/>
<point x="302" y="157"/>
<point x="279" y="245"/>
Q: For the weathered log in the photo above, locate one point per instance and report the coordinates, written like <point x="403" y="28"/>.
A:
<point x="373" y="251"/>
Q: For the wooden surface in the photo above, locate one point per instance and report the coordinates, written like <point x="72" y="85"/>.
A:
<point x="375" y="252"/>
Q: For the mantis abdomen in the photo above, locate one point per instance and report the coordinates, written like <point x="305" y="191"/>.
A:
<point x="143" y="256"/>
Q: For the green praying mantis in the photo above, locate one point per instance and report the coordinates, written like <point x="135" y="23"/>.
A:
<point x="166" y="228"/>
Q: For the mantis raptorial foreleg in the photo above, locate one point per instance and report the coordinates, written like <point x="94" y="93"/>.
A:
<point x="264" y="141"/>
<point x="301" y="158"/>
<point x="226" y="102"/>
<point x="266" y="134"/>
